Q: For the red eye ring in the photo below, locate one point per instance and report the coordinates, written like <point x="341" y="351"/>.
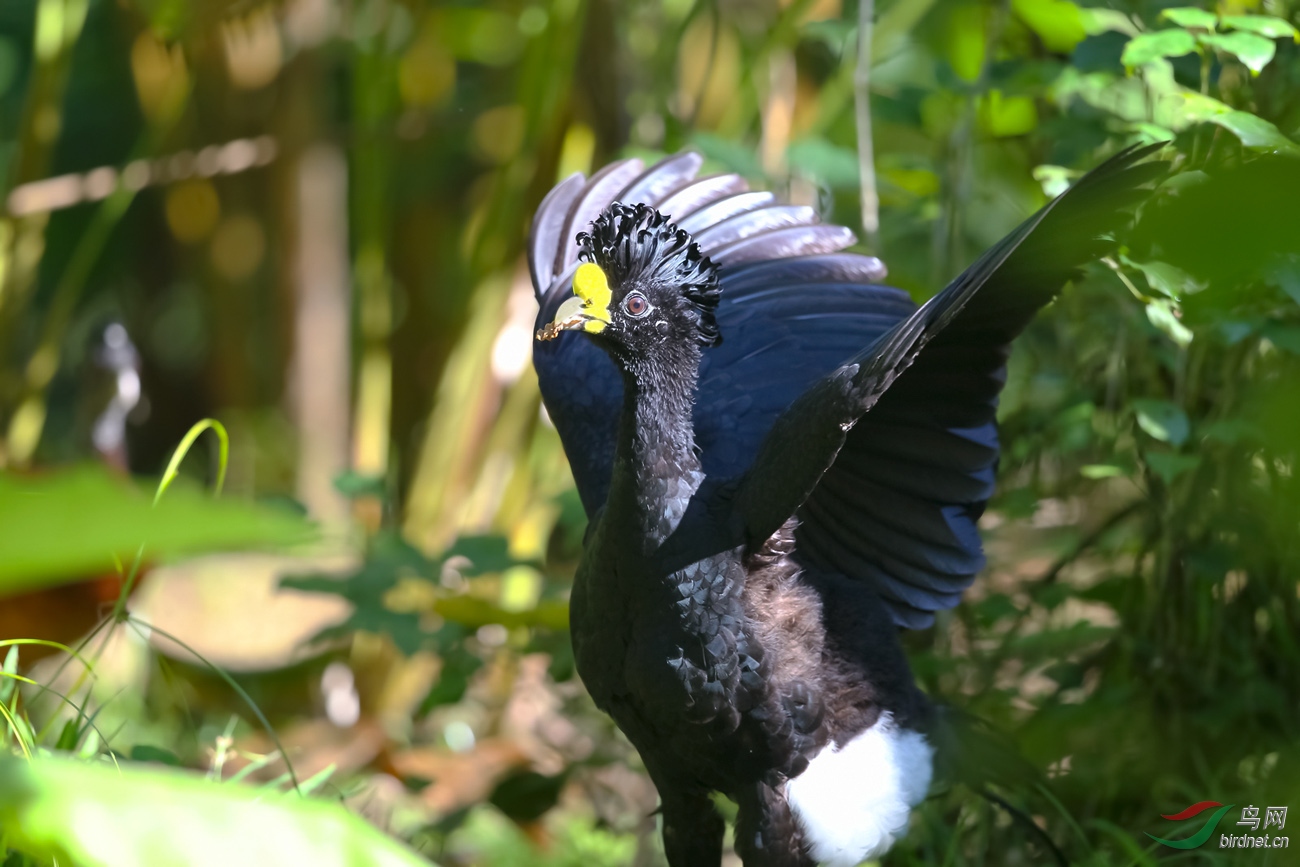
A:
<point x="636" y="305"/>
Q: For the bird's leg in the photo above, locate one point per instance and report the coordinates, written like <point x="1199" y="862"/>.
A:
<point x="767" y="834"/>
<point x="692" y="830"/>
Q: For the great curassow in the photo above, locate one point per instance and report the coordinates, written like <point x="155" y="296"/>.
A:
<point x="783" y="463"/>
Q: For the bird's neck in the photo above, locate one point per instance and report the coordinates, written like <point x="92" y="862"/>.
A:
<point x="657" y="469"/>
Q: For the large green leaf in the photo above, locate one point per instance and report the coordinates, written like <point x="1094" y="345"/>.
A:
<point x="1162" y="316"/>
<point x="71" y="524"/>
<point x="965" y="39"/>
<point x="824" y="161"/>
<point x="1255" y="132"/>
<point x="390" y="560"/>
<point x="1252" y="50"/>
<point x="1163" y="420"/>
<point x="735" y="156"/>
<point x="1169" y="465"/>
<point x="1058" y="23"/>
<point x="1143" y="49"/>
<point x="1190" y="16"/>
<point x="97" y="816"/>
<point x="1098" y="21"/>
<point x="1274" y="28"/>
<point x="1003" y="115"/>
<point x="1166" y="279"/>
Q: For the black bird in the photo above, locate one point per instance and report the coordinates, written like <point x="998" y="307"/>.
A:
<point x="783" y="463"/>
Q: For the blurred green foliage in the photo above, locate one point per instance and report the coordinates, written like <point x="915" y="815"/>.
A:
<point x="83" y="814"/>
<point x="81" y="521"/>
<point x="308" y="218"/>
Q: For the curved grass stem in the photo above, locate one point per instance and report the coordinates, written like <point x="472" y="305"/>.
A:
<point x="183" y="448"/>
<point x="140" y="626"/>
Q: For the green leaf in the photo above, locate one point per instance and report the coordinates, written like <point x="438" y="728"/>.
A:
<point x="1163" y="420"/>
<point x="526" y="796"/>
<point x="1234" y="331"/>
<point x="1100" y="471"/>
<point x="997" y="606"/>
<point x="1285" y="273"/>
<point x="389" y="560"/>
<point x="90" y="814"/>
<point x="1230" y="431"/>
<point x="1154" y="46"/>
<point x="1098" y="21"/>
<point x="1283" y="337"/>
<point x="1197" y="107"/>
<point x="736" y="156"/>
<point x="473" y="612"/>
<point x="1052" y="644"/>
<point x="965" y="39"/>
<point x="1184" y="180"/>
<point x="817" y="157"/>
<point x="1255" y="132"/>
<point x="1169" y="466"/>
<point x="458" y="666"/>
<point x="71" y="524"/>
<point x="68" y="736"/>
<point x="1152" y="133"/>
<point x="1274" y="28"/>
<point x="1003" y="116"/>
<point x="1162" y="316"/>
<point x="1252" y="50"/>
<point x="9" y="683"/>
<point x="1190" y="16"/>
<point x="1057" y="22"/>
<point x="836" y="34"/>
<point x="317" y="780"/>
<point x="1166" y="279"/>
<point x="486" y="555"/>
<point x="1055" y="179"/>
<point x="353" y="485"/>
<point x="147" y="753"/>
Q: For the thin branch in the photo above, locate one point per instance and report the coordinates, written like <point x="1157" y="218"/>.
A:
<point x="139" y="626"/>
<point x="862" y="112"/>
<point x="1092" y="538"/>
<point x="1029" y="824"/>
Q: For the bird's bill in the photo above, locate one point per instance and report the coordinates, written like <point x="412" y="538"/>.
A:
<point x="587" y="310"/>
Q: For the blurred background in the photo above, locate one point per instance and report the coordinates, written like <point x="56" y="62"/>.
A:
<point x="304" y="220"/>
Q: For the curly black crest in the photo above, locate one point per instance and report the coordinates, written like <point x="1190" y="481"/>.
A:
<point x="637" y="243"/>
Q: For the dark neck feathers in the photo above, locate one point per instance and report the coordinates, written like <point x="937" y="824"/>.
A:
<point x="657" y="469"/>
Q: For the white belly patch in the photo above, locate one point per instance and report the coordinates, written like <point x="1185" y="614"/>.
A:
<point x="852" y="803"/>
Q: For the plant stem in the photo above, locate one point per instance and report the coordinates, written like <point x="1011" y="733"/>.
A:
<point x="862" y="112"/>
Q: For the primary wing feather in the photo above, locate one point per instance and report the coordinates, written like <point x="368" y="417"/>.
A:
<point x="889" y="461"/>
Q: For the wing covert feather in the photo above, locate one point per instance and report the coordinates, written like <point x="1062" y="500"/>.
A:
<point x="938" y="372"/>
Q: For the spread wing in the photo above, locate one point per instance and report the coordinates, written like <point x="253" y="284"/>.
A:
<point x="889" y="460"/>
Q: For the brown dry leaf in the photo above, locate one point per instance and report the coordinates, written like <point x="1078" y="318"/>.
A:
<point x="229" y="608"/>
<point x="314" y="745"/>
<point x="458" y="780"/>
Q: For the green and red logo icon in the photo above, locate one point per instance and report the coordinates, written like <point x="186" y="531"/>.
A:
<point x="1201" y="836"/>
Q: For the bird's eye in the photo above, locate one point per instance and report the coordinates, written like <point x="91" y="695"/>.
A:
<point x="636" y="305"/>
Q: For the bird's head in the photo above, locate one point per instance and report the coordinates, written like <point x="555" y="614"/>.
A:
<point x="643" y="285"/>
